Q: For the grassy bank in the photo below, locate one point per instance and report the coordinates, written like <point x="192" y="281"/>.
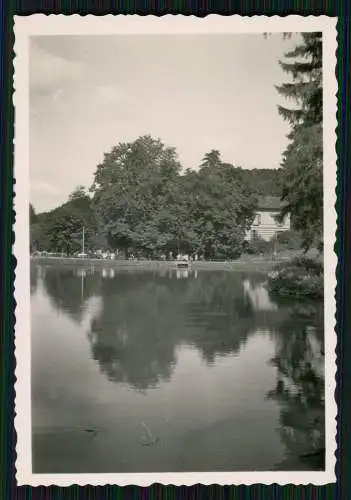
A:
<point x="249" y="263"/>
<point x="245" y="262"/>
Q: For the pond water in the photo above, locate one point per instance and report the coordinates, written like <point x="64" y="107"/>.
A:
<point x="174" y="370"/>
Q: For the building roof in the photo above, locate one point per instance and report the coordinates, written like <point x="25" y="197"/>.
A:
<point x="270" y="203"/>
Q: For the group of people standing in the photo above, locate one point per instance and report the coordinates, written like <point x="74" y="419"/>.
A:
<point x="186" y="257"/>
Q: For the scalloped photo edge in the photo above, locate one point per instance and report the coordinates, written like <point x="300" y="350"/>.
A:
<point x="35" y="25"/>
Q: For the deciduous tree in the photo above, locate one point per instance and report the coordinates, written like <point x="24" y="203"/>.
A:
<point x="211" y="159"/>
<point x="132" y="186"/>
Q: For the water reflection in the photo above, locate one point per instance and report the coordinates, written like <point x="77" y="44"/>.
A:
<point x="34" y="270"/>
<point x="299" y="359"/>
<point x="70" y="289"/>
<point x="139" y="322"/>
<point x="258" y="295"/>
<point x="143" y="320"/>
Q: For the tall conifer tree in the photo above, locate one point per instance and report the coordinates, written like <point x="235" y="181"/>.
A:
<point x="302" y="184"/>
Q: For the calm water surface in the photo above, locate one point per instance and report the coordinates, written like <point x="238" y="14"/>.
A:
<point x="137" y="371"/>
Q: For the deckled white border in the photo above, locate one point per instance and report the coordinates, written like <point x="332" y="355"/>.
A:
<point x="40" y="24"/>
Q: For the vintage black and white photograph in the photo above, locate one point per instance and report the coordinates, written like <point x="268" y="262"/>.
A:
<point x="175" y="226"/>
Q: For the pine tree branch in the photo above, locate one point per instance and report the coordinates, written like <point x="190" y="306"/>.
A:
<point x="300" y="69"/>
<point x="301" y="91"/>
<point x="293" y="116"/>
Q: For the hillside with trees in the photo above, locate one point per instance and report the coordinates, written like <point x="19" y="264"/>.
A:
<point x="263" y="181"/>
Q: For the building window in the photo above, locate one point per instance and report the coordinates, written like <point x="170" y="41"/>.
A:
<point x="257" y="220"/>
<point x="277" y="223"/>
<point x="254" y="235"/>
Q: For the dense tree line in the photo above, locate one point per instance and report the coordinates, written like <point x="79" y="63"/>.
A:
<point x="143" y="202"/>
<point x="60" y="230"/>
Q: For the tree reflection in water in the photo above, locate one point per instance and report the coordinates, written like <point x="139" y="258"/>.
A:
<point x="300" y="386"/>
<point x="227" y="315"/>
<point x="144" y="321"/>
<point x="70" y="289"/>
<point x="134" y="337"/>
<point x="145" y="317"/>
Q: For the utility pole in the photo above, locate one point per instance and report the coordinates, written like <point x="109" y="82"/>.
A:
<point x="83" y="242"/>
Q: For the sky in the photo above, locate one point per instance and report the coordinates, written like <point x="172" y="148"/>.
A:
<point x="194" y="92"/>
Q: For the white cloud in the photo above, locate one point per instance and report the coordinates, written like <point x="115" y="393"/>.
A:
<point x="45" y="196"/>
<point x="48" y="71"/>
<point x="109" y="94"/>
<point x="58" y="95"/>
<point x="89" y="93"/>
<point x="44" y="187"/>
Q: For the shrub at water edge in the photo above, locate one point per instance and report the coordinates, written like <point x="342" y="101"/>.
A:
<point x="302" y="277"/>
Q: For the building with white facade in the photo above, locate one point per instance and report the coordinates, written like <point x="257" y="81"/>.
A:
<point x="265" y="225"/>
